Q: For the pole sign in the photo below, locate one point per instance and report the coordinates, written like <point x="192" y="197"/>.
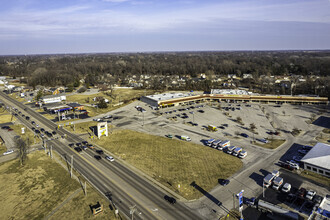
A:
<point x="240" y="199"/>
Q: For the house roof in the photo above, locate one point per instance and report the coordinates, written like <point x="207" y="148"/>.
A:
<point x="319" y="156"/>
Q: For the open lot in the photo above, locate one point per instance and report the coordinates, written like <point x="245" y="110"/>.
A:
<point x="175" y="164"/>
<point x="34" y="190"/>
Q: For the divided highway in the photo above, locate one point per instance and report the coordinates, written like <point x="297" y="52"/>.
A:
<point x="125" y="187"/>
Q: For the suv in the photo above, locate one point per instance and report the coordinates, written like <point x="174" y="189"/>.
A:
<point x="286" y="188"/>
<point x="310" y="194"/>
<point x="170" y="199"/>
<point x="99" y="151"/>
<point x="301" y="193"/>
<point x="97" y="157"/>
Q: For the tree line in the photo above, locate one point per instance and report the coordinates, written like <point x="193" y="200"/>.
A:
<point x="67" y="70"/>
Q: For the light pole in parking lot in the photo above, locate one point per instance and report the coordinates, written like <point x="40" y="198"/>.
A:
<point x="143" y="119"/>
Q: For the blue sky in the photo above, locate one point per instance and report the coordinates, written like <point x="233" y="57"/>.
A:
<point x="79" y="26"/>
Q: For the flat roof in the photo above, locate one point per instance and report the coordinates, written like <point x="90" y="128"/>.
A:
<point x="230" y="92"/>
<point x="74" y="104"/>
<point x="52" y="96"/>
<point x="319" y="156"/>
<point x="169" y="96"/>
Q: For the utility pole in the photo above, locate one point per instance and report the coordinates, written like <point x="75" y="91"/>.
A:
<point x="143" y="118"/>
<point x="51" y="151"/>
<point x="71" y="166"/>
<point x="132" y="209"/>
<point x="85" y="189"/>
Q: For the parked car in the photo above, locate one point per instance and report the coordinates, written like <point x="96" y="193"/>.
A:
<point x="310" y="194"/>
<point x="263" y="140"/>
<point x="307" y="147"/>
<point x="5" y="127"/>
<point x="223" y="182"/>
<point x="8" y="152"/>
<point x="301" y="192"/>
<point x="317" y="199"/>
<point x="297" y="158"/>
<point x="71" y="144"/>
<point x="169" y="136"/>
<point x="302" y="152"/>
<point x="170" y="199"/>
<point x="293" y="164"/>
<point x="286" y="187"/>
<point x="244" y="135"/>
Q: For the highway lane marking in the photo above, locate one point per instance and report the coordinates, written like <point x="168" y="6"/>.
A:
<point x="112" y="181"/>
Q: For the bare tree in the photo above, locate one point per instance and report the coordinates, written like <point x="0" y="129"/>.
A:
<point x="252" y="127"/>
<point x="283" y="112"/>
<point x="313" y="117"/>
<point x="239" y="120"/>
<point x="22" y="150"/>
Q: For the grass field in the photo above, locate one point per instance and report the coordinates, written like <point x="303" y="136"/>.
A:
<point x="272" y="144"/>
<point x="119" y="95"/>
<point x="34" y="190"/>
<point x="2" y="149"/>
<point x="316" y="177"/>
<point x="81" y="127"/>
<point x="5" y="117"/>
<point x="28" y="136"/>
<point x="175" y="164"/>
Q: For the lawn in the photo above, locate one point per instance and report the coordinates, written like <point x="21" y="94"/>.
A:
<point x="174" y="163"/>
<point x="81" y="128"/>
<point x="2" y="149"/>
<point x="316" y="177"/>
<point x="118" y="96"/>
<point x="28" y="135"/>
<point x="272" y="144"/>
<point x="34" y="190"/>
<point x="5" y="117"/>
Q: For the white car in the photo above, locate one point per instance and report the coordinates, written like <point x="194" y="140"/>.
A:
<point x="286" y="187"/>
<point x="310" y="194"/>
<point x="110" y="158"/>
<point x="293" y="164"/>
<point x="8" y="152"/>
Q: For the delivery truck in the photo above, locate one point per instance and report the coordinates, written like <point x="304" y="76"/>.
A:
<point x="212" y="128"/>
<point x="277" y="182"/>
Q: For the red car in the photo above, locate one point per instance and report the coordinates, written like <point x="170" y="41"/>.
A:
<point x="10" y="129"/>
<point x="301" y="193"/>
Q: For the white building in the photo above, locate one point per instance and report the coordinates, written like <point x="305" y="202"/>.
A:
<point x="318" y="159"/>
<point x="154" y="100"/>
<point x="52" y="98"/>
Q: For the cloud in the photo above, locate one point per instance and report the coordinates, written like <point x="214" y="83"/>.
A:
<point x="94" y="19"/>
<point x="115" y="1"/>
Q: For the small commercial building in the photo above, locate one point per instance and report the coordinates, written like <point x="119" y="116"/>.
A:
<point x="317" y="159"/>
<point x="52" y="98"/>
<point x="76" y="106"/>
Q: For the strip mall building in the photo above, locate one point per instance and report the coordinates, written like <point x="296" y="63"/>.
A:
<point x="175" y="99"/>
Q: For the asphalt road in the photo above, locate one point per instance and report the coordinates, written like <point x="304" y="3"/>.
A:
<point x="115" y="181"/>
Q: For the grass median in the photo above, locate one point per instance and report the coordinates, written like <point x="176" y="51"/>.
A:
<point x="173" y="163"/>
<point x="34" y="190"/>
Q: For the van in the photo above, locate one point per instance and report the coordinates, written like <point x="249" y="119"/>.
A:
<point x="186" y="138"/>
<point x="236" y="151"/>
<point x="230" y="149"/>
<point x="242" y="154"/>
